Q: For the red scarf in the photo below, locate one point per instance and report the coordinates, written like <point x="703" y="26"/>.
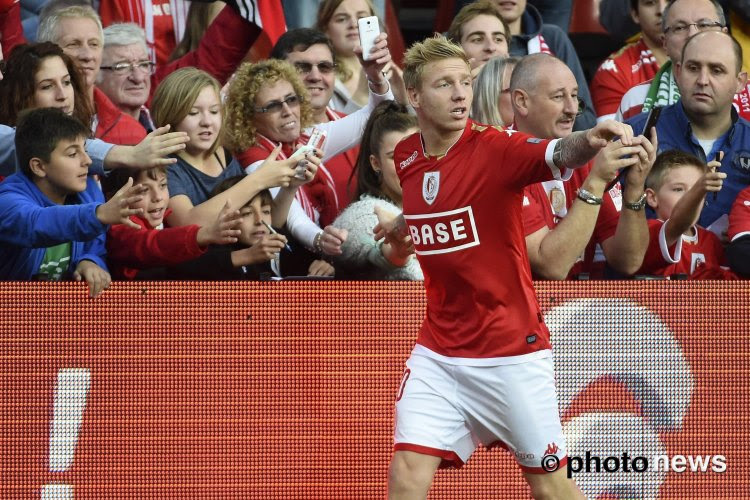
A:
<point x="317" y="197"/>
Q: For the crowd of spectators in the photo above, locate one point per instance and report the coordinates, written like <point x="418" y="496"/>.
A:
<point x="182" y="146"/>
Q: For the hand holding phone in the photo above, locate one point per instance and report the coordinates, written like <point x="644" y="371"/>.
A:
<point x="369" y="29"/>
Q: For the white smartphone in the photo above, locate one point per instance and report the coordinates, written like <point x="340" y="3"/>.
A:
<point x="369" y="29"/>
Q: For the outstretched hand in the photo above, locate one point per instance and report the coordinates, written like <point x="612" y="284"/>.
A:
<point x="117" y="210"/>
<point x="224" y="230"/>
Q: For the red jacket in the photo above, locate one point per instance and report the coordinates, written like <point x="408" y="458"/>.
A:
<point x="11" y="31"/>
<point x="221" y="50"/>
<point x="130" y="250"/>
<point x="113" y="125"/>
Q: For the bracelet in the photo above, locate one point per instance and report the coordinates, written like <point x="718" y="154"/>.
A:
<point x="384" y="81"/>
<point x="317" y="246"/>
<point x="589" y="198"/>
<point x="636" y="206"/>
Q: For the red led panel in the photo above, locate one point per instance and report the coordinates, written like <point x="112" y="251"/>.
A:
<point x="285" y="390"/>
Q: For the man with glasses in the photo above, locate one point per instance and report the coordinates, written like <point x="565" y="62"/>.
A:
<point x="680" y="20"/>
<point x="311" y="53"/>
<point x="705" y="120"/>
<point x="78" y="31"/>
<point x="565" y="221"/>
<point x="128" y="77"/>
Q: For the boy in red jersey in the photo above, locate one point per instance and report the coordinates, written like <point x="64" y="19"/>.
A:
<point x="675" y="189"/>
<point x="481" y="371"/>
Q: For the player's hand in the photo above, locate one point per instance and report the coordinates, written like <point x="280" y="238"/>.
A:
<point x="154" y="149"/>
<point x="224" y="230"/>
<point x="97" y="278"/>
<point x="332" y="239"/>
<point x="320" y="268"/>
<point x="117" y="210"/>
<point x="599" y="136"/>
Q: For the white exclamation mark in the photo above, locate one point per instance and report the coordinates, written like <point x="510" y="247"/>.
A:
<point x="72" y="389"/>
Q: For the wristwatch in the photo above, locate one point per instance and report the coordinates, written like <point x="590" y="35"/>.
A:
<point x="638" y="205"/>
<point x="588" y="197"/>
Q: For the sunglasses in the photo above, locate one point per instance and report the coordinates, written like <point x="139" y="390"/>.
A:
<point x="276" y="106"/>
<point x="325" y="67"/>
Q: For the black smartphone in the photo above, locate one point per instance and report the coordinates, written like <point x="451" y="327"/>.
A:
<point x="653" y="117"/>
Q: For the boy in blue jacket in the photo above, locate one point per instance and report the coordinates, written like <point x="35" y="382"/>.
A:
<point x="53" y="218"/>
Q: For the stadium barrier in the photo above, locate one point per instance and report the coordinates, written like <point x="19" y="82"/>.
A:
<point x="285" y="390"/>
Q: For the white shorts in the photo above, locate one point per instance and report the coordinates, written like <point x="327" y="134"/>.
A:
<point x="447" y="410"/>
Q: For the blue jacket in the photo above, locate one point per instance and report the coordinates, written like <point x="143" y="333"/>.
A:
<point x="30" y="222"/>
<point x="674" y="132"/>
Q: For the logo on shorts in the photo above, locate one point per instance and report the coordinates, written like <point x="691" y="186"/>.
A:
<point x="550" y="462"/>
<point x="430" y="186"/>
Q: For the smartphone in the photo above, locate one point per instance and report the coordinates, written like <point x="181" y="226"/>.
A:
<point x="653" y="117"/>
<point x="369" y="29"/>
<point x="316" y="140"/>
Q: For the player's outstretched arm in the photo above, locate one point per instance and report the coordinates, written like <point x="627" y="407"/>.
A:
<point x="579" y="147"/>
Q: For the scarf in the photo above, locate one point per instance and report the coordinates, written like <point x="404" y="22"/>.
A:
<point x="663" y="90"/>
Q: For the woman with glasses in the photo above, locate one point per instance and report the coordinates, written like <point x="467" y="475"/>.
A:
<point x="491" y="103"/>
<point x="268" y="106"/>
<point x="40" y="75"/>
<point x="188" y="101"/>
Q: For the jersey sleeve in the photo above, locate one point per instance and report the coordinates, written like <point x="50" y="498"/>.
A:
<point x="609" y="215"/>
<point x="523" y="159"/>
<point x="739" y="216"/>
<point x="658" y="255"/>
<point x="532" y="211"/>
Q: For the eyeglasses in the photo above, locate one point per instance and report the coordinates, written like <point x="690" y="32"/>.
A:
<point x="276" y="106"/>
<point x="581" y="107"/>
<point x="682" y="29"/>
<point x="325" y="67"/>
<point x="122" y="68"/>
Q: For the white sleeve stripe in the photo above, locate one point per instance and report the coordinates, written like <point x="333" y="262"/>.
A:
<point x="556" y="173"/>
<point x="665" y="249"/>
<point x="740" y="235"/>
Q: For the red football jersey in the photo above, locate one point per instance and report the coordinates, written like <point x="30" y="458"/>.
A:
<point x="464" y="214"/>
<point x="683" y="256"/>
<point x="631" y="65"/>
<point x="547" y="203"/>
<point x="739" y="216"/>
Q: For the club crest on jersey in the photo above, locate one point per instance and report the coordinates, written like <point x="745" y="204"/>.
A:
<point x="430" y="186"/>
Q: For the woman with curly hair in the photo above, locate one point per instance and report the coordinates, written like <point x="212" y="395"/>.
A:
<point x="188" y="100"/>
<point x="268" y="106"/>
<point x="40" y="75"/>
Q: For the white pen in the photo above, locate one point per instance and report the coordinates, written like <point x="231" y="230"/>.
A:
<point x="273" y="231"/>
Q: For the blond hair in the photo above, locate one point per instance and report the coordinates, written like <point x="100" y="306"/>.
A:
<point x="430" y="50"/>
<point x="176" y="95"/>
<point x="247" y="83"/>
<point x="47" y="30"/>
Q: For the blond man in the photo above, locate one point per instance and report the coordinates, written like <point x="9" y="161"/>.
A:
<point x="481" y="370"/>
